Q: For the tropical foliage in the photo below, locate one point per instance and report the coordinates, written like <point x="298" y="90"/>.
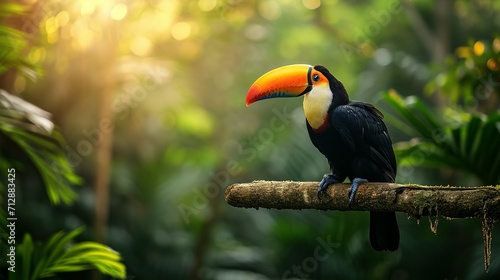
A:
<point x="29" y="130"/>
<point x="29" y="139"/>
<point x="59" y="254"/>
<point x="471" y="143"/>
<point x="13" y="43"/>
<point x="467" y="137"/>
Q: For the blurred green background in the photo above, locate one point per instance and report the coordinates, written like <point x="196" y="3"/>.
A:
<point x="150" y="98"/>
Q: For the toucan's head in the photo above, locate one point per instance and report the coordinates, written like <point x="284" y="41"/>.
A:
<point x="320" y="88"/>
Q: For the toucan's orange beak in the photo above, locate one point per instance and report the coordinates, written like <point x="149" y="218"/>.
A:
<point x="287" y="81"/>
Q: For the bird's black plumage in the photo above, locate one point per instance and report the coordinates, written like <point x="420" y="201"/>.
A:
<point x="356" y="144"/>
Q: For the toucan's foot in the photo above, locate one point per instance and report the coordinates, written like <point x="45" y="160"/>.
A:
<point x="327" y="180"/>
<point x="354" y="188"/>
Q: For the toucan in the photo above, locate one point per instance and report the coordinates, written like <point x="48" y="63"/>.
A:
<point x="350" y="134"/>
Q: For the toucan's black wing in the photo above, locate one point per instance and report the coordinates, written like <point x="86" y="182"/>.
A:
<point x="360" y="126"/>
<point x="364" y="133"/>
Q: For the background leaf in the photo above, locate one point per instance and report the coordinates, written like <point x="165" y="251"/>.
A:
<point x="60" y="254"/>
<point x="471" y="145"/>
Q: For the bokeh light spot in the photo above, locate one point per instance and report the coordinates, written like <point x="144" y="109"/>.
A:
<point x="181" y="30"/>
<point x="62" y="18"/>
<point x="256" y="32"/>
<point x="82" y="34"/>
<point x="51" y="25"/>
<point x="195" y="121"/>
<point x="463" y="52"/>
<point x="52" y="38"/>
<point x="383" y="57"/>
<point x="140" y="46"/>
<point x="493" y="64"/>
<point x="496" y="44"/>
<point x="311" y="4"/>
<point x="37" y="55"/>
<point x="87" y="8"/>
<point x="270" y="10"/>
<point x="119" y="11"/>
<point x="478" y="48"/>
<point x="207" y="5"/>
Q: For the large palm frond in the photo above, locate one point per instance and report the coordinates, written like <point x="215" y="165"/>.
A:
<point x="25" y="128"/>
<point x="470" y="143"/>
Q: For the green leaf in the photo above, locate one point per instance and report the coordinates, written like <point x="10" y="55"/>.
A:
<point x="25" y="251"/>
<point x="471" y="143"/>
<point x="13" y="44"/>
<point x="49" y="160"/>
<point x="415" y="112"/>
<point x="11" y="8"/>
<point x="471" y="135"/>
<point x="30" y="128"/>
<point x="59" y="255"/>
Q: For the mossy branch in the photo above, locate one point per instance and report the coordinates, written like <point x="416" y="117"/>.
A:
<point x="414" y="200"/>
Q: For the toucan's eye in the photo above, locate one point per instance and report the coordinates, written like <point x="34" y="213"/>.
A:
<point x="315" y="77"/>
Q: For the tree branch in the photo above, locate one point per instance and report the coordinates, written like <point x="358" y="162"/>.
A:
<point x="415" y="200"/>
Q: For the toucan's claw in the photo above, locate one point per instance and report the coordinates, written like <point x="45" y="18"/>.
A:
<point x="327" y="180"/>
<point x="354" y="188"/>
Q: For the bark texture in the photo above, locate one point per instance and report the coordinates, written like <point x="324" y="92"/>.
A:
<point x="415" y="200"/>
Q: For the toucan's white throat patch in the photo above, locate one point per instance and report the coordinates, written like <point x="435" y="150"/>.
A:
<point x="316" y="105"/>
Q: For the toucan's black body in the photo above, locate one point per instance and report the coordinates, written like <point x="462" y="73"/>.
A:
<point x="355" y="141"/>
